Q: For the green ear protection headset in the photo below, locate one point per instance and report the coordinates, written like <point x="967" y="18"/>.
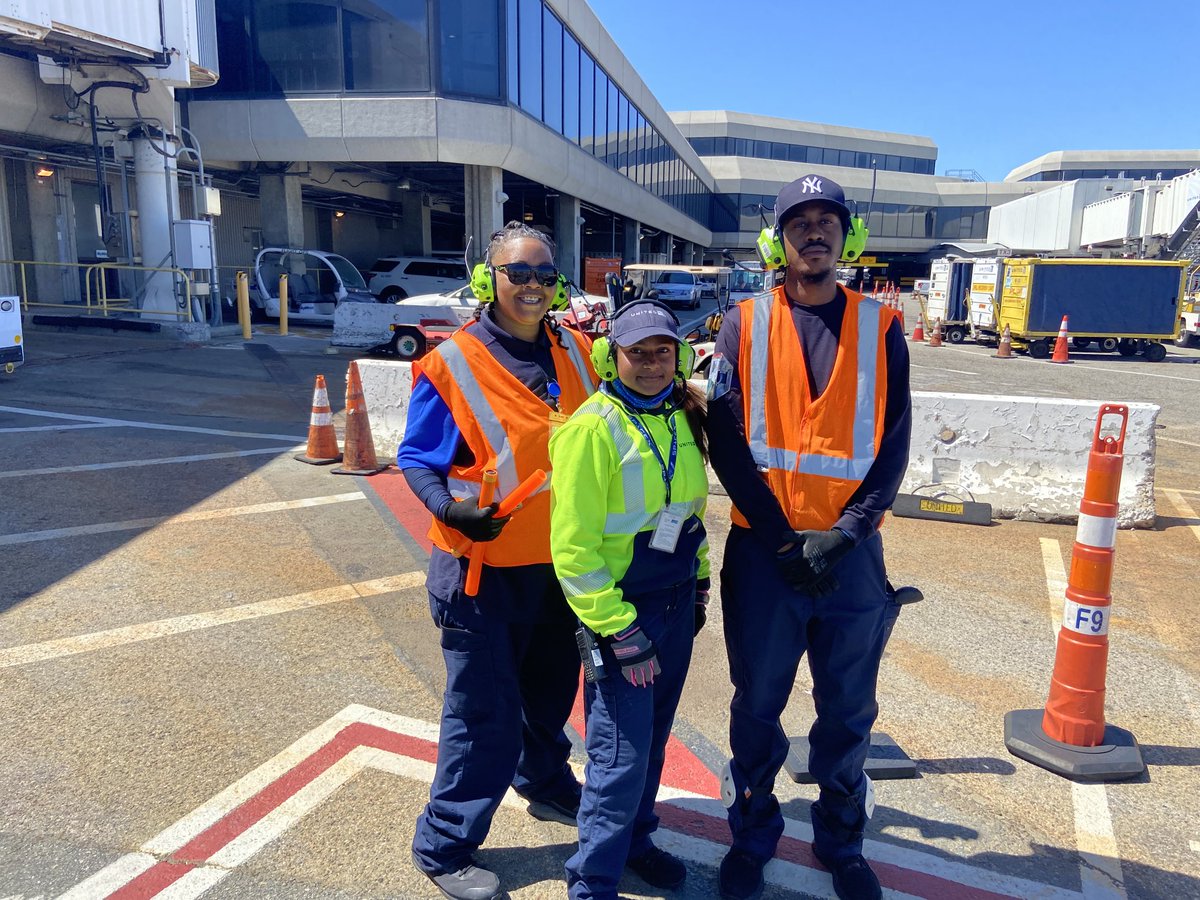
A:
<point x="604" y="357"/>
<point x="483" y="286"/>
<point x="771" y="252"/>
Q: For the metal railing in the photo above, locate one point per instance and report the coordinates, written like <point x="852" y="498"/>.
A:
<point x="97" y="299"/>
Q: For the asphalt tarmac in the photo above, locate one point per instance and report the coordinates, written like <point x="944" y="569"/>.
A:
<point x="219" y="677"/>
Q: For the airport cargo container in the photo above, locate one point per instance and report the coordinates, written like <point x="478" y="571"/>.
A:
<point x="986" y="281"/>
<point x="950" y="285"/>
<point x="1130" y="306"/>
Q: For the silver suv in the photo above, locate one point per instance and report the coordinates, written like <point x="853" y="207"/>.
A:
<point x="397" y="277"/>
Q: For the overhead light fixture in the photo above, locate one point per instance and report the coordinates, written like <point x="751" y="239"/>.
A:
<point x="44" y="172"/>
<point x="528" y="217"/>
<point x="338" y="214"/>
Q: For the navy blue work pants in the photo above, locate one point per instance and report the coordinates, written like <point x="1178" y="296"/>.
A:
<point x="512" y="672"/>
<point x="627" y="731"/>
<point x="768" y="628"/>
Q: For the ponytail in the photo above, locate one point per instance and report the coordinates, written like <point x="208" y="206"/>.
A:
<point x="691" y="400"/>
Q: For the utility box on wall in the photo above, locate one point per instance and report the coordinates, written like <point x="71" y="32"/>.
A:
<point x="193" y="244"/>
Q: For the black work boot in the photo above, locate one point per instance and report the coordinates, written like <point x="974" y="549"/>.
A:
<point x="562" y="808"/>
<point x="852" y="877"/>
<point x="658" y="868"/>
<point x="741" y="875"/>
<point x="471" y="882"/>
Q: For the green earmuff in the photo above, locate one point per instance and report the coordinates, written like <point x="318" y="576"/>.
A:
<point x="483" y="286"/>
<point x="483" y="283"/>
<point x="773" y="256"/>
<point x="604" y="360"/>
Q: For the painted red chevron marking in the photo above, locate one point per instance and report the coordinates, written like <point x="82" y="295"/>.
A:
<point x="393" y="490"/>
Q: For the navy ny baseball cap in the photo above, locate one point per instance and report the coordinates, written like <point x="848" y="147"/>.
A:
<point x="806" y="190"/>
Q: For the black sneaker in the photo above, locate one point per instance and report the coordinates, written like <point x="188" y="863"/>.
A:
<point x="741" y="875"/>
<point x="471" y="882"/>
<point x="564" y="808"/>
<point x="852" y="877"/>
<point x="658" y="868"/>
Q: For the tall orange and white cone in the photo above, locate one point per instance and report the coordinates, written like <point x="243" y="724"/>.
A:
<point x="322" y="438"/>
<point x="1060" y="344"/>
<point x="935" y="339"/>
<point x="360" y="446"/>
<point x="918" y="335"/>
<point x="1004" y="350"/>
<point x="1070" y="736"/>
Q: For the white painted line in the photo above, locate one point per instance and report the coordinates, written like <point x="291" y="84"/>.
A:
<point x="203" y="515"/>
<point x="1185" y="510"/>
<point x="153" y="426"/>
<point x="1185" y="443"/>
<point x="147" y="631"/>
<point x="1115" y="371"/>
<point x="112" y="877"/>
<point x="53" y="428"/>
<point x="941" y="369"/>
<point x="136" y="463"/>
<point x="1195" y="845"/>
<point x="1100" y="861"/>
<point x="1190" y="493"/>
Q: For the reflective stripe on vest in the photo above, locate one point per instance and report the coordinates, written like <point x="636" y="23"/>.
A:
<point x="863" y="456"/>
<point x="575" y="352"/>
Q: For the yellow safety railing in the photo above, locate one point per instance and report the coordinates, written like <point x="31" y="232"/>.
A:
<point x="97" y="300"/>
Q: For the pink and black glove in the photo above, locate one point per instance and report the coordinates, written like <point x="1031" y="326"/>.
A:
<point x="636" y="656"/>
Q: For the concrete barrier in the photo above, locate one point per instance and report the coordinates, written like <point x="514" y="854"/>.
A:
<point x="1026" y="456"/>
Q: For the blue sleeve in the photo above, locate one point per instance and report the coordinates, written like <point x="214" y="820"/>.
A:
<point x="877" y="492"/>
<point x="431" y="437"/>
<point x="730" y="453"/>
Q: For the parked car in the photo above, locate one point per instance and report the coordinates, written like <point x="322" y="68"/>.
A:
<point x="398" y="277"/>
<point x="680" y="289"/>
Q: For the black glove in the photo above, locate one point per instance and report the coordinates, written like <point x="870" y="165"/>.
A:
<point x="480" y="525"/>
<point x="807" y="565"/>
<point x="636" y="655"/>
<point x="701" y="611"/>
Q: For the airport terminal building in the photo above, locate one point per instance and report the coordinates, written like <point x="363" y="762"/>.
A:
<point x="417" y="127"/>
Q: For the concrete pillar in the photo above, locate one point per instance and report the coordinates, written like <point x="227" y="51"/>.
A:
<point x="157" y="187"/>
<point x="484" y="205"/>
<point x="416" y="229"/>
<point x="567" y="221"/>
<point x="46" y="238"/>
<point x="281" y="211"/>
<point x="688" y="254"/>
<point x="632" y="251"/>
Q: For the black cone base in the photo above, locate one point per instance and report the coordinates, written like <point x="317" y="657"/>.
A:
<point x="885" y="759"/>
<point x="1117" y="759"/>
<point x="318" y="460"/>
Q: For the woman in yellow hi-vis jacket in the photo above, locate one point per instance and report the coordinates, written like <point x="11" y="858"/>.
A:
<point x="629" y="548"/>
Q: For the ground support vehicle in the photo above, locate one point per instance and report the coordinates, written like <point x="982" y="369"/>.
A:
<point x="318" y="284"/>
<point x="1189" y="313"/>
<point x="949" y="288"/>
<point x="984" y="304"/>
<point x="1130" y="306"/>
<point x="12" y="350"/>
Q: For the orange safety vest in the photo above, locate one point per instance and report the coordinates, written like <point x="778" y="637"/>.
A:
<point x="501" y="419"/>
<point x="813" y="453"/>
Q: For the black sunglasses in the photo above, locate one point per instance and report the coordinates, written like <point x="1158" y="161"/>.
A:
<point x="519" y="273"/>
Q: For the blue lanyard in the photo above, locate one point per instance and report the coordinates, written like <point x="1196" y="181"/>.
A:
<point x="668" y="468"/>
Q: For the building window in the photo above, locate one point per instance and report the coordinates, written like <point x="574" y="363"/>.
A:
<point x="299" y="45"/>
<point x="470" y="52"/>
<point x="570" y="80"/>
<point x="529" y="49"/>
<point x="587" y="101"/>
<point x="552" y="70"/>
<point x="386" y="45"/>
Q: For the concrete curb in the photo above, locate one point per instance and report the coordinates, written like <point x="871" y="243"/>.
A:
<point x="1026" y="456"/>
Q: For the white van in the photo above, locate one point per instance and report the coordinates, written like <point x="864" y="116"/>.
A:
<point x="397" y="277"/>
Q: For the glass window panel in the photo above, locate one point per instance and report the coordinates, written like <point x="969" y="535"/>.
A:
<point x="623" y="134"/>
<point x="600" y="148"/>
<point x="614" y="129"/>
<point x="830" y="156"/>
<point x="904" y="224"/>
<point x="470" y="53"/>
<point x="907" y="164"/>
<point x="552" y="71"/>
<point x="386" y="45"/>
<point x="743" y="147"/>
<point x="299" y="45"/>
<point x="512" y="57"/>
<point x="815" y="155"/>
<point x="530" y="33"/>
<point x="779" y="150"/>
<point x="587" y="102"/>
<point x="862" y="160"/>
<point x="570" y="82"/>
<point x="233" y="50"/>
<point x="762" y="149"/>
<point x="893" y="163"/>
<point x="797" y="152"/>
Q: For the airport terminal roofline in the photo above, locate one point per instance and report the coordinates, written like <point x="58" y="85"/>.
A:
<point x="701" y="123"/>
<point x="1105" y="159"/>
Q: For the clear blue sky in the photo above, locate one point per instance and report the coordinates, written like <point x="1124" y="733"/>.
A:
<point x="994" y="85"/>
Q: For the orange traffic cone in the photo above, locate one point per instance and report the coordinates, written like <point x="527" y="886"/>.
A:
<point x="935" y="339"/>
<point x="1004" y="351"/>
<point x="360" y="446"/>
<point x="918" y="334"/>
<point x="1060" y="345"/>
<point x="322" y="439"/>
<point x="1070" y="737"/>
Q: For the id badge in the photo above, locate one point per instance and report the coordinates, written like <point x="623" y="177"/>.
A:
<point x="557" y="420"/>
<point x="667" y="531"/>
